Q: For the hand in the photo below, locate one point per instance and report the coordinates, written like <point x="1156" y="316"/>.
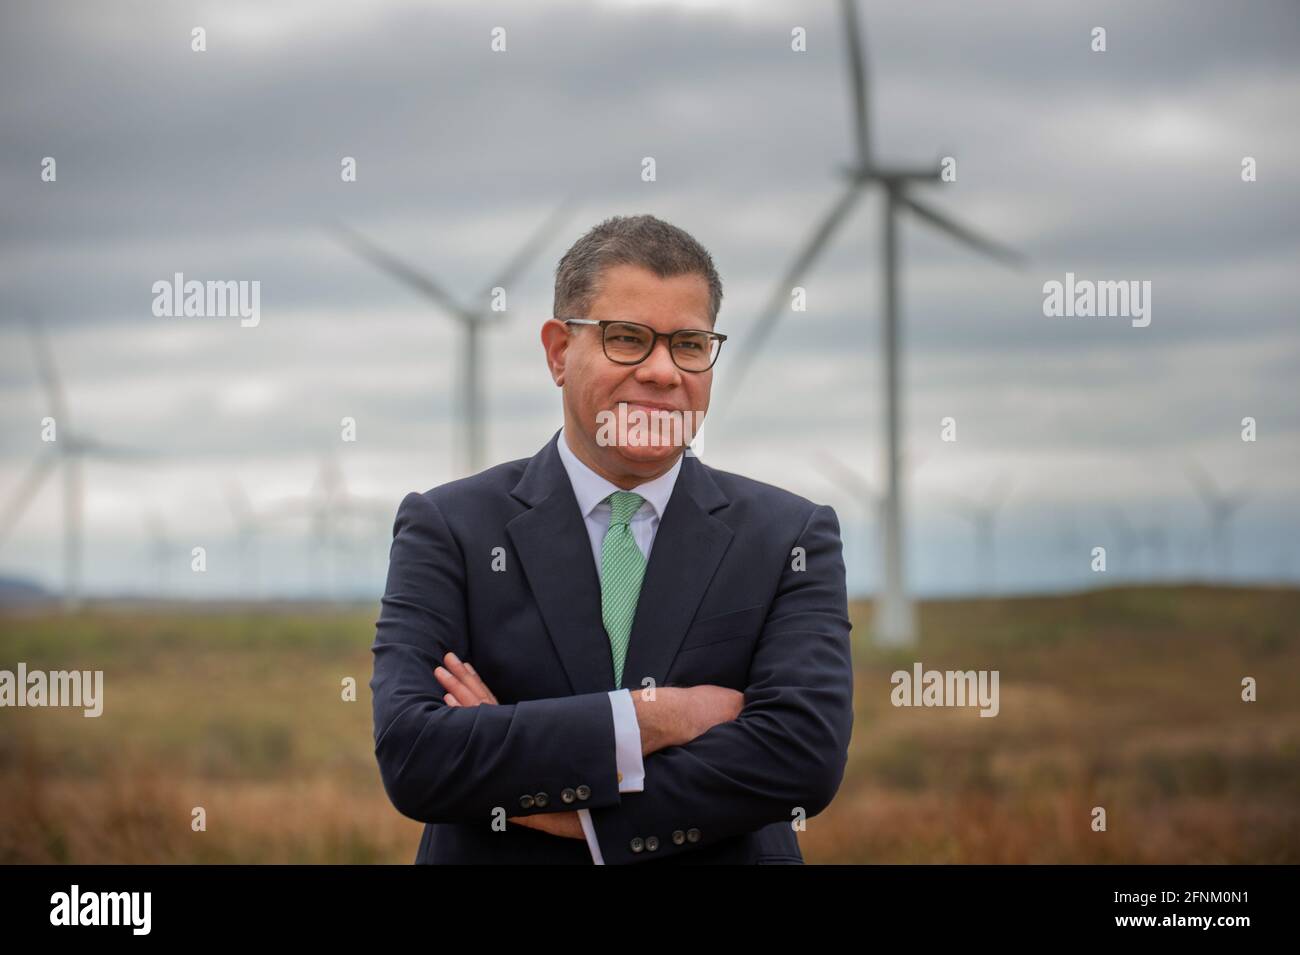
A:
<point x="466" y="688"/>
<point x="566" y="824"/>
<point x="463" y="686"/>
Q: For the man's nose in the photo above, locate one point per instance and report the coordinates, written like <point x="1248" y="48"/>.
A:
<point x="659" y="367"/>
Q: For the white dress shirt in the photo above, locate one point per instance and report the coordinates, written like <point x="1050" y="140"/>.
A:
<point x="591" y="490"/>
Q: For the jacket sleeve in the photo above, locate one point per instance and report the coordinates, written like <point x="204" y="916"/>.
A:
<point x="787" y="749"/>
<point x="474" y="764"/>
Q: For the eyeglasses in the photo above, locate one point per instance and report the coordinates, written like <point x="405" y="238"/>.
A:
<point x="630" y="343"/>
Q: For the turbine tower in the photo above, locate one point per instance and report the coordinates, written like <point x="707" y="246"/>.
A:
<point x="473" y="319"/>
<point x="162" y="552"/>
<point x="895" y="622"/>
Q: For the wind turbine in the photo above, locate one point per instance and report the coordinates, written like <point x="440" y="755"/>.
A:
<point x="473" y="318"/>
<point x="862" y="490"/>
<point x="983" y="513"/>
<point x="1129" y="540"/>
<point x="162" y="551"/>
<point x="865" y="494"/>
<point x="895" y="622"/>
<point x="328" y="506"/>
<point x="68" y="448"/>
<point x="1071" y="545"/>
<point x="247" y="530"/>
<point x="1221" y="508"/>
<point x="1156" y="543"/>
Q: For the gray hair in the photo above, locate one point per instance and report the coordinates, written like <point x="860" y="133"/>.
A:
<point x="642" y="240"/>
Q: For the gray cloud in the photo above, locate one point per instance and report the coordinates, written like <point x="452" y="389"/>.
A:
<point x="225" y="165"/>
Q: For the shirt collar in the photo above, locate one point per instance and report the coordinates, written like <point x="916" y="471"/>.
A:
<point x="591" y="489"/>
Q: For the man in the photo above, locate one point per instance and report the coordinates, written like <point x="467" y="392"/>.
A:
<point x="610" y="652"/>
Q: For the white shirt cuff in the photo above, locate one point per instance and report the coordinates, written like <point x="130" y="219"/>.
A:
<point x="627" y="755"/>
<point x="588" y="830"/>
<point x="627" y="742"/>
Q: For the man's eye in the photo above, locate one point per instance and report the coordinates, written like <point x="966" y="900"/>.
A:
<point x="693" y="345"/>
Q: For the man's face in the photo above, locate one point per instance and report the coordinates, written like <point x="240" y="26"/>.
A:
<point x="594" y="384"/>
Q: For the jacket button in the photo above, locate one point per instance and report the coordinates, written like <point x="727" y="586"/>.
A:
<point x="652" y="843"/>
<point x="541" y="799"/>
<point x="567" y="795"/>
<point x="636" y="844"/>
<point x="692" y="835"/>
<point x="584" y="792"/>
<point x="526" y="801"/>
<point x="678" y="837"/>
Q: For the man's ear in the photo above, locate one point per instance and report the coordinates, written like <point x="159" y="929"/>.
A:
<point x="555" y="342"/>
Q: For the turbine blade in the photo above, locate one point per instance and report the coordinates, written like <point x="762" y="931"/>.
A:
<point x="857" y="83"/>
<point x="394" y="267"/>
<point x="963" y="506"/>
<point x="1205" y="485"/>
<point x="1233" y="503"/>
<point x="31" y="483"/>
<point x="961" y="233"/>
<point x="48" y="374"/>
<point x="291" y="508"/>
<point x="776" y="305"/>
<point x="909" y="462"/>
<point x="530" y="249"/>
<point x="117" y="452"/>
<point x="998" y="492"/>
<point x="241" y="508"/>
<point x="847" y="478"/>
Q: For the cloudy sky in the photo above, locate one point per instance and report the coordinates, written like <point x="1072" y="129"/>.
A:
<point x="225" y="164"/>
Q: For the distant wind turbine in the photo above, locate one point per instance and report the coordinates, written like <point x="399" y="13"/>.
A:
<point x="861" y="489"/>
<point x="329" y="508"/>
<point x="983" y="513"/>
<point x="162" y="552"/>
<point x="1129" y="544"/>
<point x="895" y="616"/>
<point x="1156" y="543"/>
<point x="864" y="494"/>
<point x="472" y="317"/>
<point x="1072" y="546"/>
<point x="68" y="451"/>
<point x="1221" y="508"/>
<point x="247" y="532"/>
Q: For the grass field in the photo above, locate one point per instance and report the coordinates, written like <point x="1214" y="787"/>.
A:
<point x="1129" y="699"/>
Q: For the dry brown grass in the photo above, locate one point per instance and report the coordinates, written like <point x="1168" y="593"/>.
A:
<point x="1128" y="699"/>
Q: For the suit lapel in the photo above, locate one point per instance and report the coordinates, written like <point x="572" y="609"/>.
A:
<point x="688" y="547"/>
<point x="555" y="552"/>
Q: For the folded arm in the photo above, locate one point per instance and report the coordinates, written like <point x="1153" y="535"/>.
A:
<point x="443" y="763"/>
<point x="787" y="749"/>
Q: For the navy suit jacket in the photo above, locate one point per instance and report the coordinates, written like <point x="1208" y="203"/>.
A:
<point x="744" y="588"/>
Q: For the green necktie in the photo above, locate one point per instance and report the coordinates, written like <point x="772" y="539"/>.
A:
<point x="622" y="565"/>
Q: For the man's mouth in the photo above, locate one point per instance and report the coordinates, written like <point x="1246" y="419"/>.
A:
<point x="649" y="406"/>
